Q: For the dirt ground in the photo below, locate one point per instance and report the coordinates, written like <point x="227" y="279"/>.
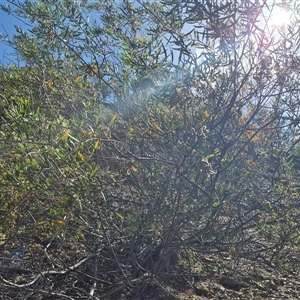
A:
<point x="248" y="280"/>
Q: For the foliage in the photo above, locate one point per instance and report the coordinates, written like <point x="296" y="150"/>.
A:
<point x="139" y="139"/>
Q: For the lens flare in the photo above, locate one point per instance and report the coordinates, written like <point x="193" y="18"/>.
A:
<point x="280" y="18"/>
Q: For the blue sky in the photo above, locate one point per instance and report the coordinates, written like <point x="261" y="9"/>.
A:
<point x="7" y="23"/>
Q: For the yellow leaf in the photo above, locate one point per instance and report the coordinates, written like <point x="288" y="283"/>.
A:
<point x="78" y="79"/>
<point x="79" y="234"/>
<point x="65" y="135"/>
<point x="96" y="146"/>
<point x="50" y="85"/>
<point x="41" y="223"/>
<point x="132" y="169"/>
<point x="120" y="216"/>
<point x="158" y="128"/>
<point x="58" y="221"/>
<point x="81" y="156"/>
<point x="89" y="133"/>
<point x="206" y="114"/>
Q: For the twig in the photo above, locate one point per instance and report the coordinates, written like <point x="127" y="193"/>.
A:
<point x="59" y="295"/>
<point x="50" y="272"/>
<point x="134" y="282"/>
<point x="94" y="285"/>
<point x="165" y="290"/>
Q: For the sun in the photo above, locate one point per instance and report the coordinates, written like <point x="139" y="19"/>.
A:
<point x="280" y="18"/>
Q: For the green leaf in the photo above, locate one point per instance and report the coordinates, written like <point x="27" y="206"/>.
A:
<point x="216" y="204"/>
<point x="81" y="156"/>
<point x="112" y="121"/>
<point x="37" y="112"/>
<point x="93" y="173"/>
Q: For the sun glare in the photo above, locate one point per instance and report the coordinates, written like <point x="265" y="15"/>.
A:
<point x="280" y="18"/>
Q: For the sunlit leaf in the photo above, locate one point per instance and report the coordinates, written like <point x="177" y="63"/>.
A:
<point x="158" y="128"/>
<point x="112" y="121"/>
<point x="132" y="169"/>
<point x="65" y="135"/>
<point x="206" y="114"/>
<point x="41" y="222"/>
<point x="93" y="173"/>
<point x="96" y="146"/>
<point x="210" y="156"/>
<point x="81" y="156"/>
<point x="59" y="222"/>
<point x="120" y="216"/>
<point x="50" y="85"/>
<point x="216" y="203"/>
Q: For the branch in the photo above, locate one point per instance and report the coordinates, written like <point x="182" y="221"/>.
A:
<point x="59" y="295"/>
<point x="165" y="290"/>
<point x="50" y="272"/>
<point x="134" y="282"/>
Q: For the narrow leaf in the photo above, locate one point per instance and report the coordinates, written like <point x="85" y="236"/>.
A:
<point x="50" y="85"/>
<point x="81" y="156"/>
<point x="120" y="216"/>
<point x="112" y="121"/>
<point x="96" y="146"/>
<point x="93" y="173"/>
<point x="65" y="135"/>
